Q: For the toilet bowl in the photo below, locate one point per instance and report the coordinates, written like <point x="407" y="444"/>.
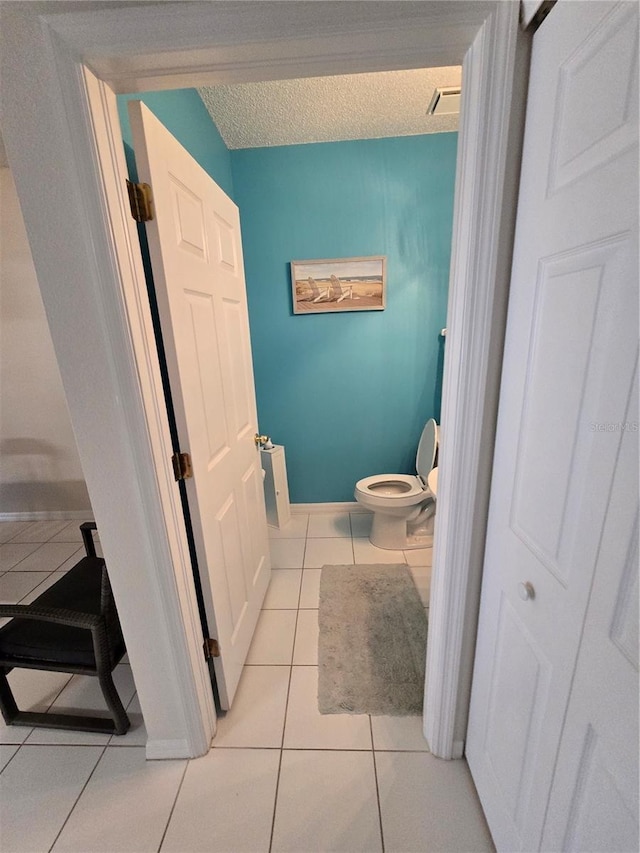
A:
<point x="402" y="504"/>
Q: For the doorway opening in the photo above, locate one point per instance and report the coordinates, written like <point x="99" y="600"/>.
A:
<point x="381" y="375"/>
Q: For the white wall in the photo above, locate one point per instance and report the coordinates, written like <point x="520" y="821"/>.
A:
<point x="39" y="464"/>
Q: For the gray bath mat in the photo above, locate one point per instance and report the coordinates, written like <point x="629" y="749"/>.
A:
<point x="373" y="641"/>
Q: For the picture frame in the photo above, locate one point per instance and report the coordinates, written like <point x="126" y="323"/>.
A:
<point x="328" y="285"/>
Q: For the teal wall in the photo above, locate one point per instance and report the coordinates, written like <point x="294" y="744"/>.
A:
<point x="347" y="393"/>
<point x="185" y="116"/>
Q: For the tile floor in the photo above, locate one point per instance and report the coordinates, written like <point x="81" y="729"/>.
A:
<point x="281" y="777"/>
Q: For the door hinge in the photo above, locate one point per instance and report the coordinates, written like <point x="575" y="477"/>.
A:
<point x="182" y="467"/>
<point x="211" y="649"/>
<point x="140" y="201"/>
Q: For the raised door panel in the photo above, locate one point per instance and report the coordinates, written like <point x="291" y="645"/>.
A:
<point x="188" y="215"/>
<point x="583" y="300"/>
<point x="511" y="748"/>
<point x="552" y="412"/>
<point x="229" y="527"/>
<point x="584" y="137"/>
<point x="239" y="374"/>
<point x="227" y="254"/>
<point x="601" y="814"/>
<point x="252" y="484"/>
<point x="594" y="798"/>
<point x="207" y="377"/>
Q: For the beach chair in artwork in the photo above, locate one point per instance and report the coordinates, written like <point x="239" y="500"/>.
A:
<point x="317" y="293"/>
<point x="339" y="290"/>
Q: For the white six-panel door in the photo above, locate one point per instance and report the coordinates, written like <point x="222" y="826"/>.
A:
<point x="196" y="254"/>
<point x="561" y="454"/>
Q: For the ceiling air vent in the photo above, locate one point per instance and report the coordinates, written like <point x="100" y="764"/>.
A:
<point x="445" y="101"/>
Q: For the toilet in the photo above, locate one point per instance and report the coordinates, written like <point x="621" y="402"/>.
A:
<point x="402" y="503"/>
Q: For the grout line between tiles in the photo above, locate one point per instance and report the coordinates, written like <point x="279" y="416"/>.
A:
<point x="175" y="800"/>
<point x="284" y="722"/>
<point x="275" y="797"/>
<point x="17" y="568"/>
<point x="35" y="551"/>
<point x="286" y="704"/>
<point x="17" y="534"/>
<point x="66" y="820"/>
<point x="299" y="595"/>
<point x="375" y="775"/>
<point x="328" y="748"/>
<point x="14" y="568"/>
<point x="275" y="804"/>
<point x="61" y="745"/>
<point x="304" y="553"/>
<point x="301" y="748"/>
<point x="44" y="580"/>
<point x="425" y="751"/>
<point x="57" y="696"/>
<point x="230" y="746"/>
<point x="13" y="756"/>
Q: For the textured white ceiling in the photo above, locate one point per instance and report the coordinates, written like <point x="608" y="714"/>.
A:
<point x="329" y="109"/>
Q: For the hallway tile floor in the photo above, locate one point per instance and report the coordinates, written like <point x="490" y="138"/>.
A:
<point x="281" y="776"/>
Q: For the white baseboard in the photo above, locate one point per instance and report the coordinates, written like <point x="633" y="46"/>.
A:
<point x="457" y="750"/>
<point x="49" y="515"/>
<point x="156" y="750"/>
<point x="345" y="506"/>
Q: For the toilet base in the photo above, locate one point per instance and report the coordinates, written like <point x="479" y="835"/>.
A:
<point x="394" y="533"/>
<point x="423" y="540"/>
<point x="423" y="527"/>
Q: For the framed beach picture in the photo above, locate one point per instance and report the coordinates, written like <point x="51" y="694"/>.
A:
<point x="339" y="284"/>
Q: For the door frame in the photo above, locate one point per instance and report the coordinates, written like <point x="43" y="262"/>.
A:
<point x="60" y="70"/>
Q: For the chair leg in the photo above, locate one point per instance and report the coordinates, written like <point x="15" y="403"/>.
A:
<point x="7" y="702"/>
<point x="120" y="719"/>
<point x="73" y="722"/>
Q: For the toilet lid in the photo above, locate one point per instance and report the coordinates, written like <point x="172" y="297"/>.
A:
<point x="427" y="448"/>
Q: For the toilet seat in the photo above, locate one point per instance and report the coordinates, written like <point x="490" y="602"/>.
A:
<point x="400" y="490"/>
<point x="427" y="447"/>
<point x="397" y="489"/>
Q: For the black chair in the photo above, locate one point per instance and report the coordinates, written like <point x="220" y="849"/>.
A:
<point x="72" y="627"/>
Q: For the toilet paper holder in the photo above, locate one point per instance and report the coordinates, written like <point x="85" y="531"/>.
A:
<point x="263" y="441"/>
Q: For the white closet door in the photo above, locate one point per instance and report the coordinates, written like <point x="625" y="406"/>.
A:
<point x="569" y="366"/>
